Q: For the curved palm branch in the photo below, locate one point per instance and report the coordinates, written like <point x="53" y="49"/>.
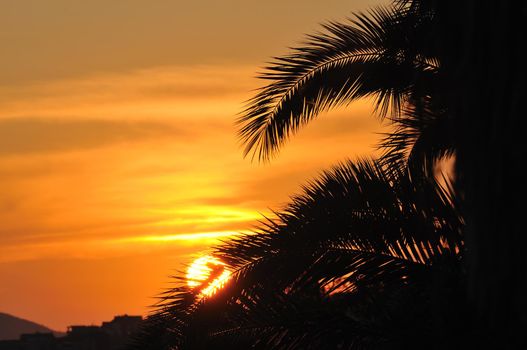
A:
<point x="356" y="248"/>
<point x="372" y="55"/>
<point x="421" y="138"/>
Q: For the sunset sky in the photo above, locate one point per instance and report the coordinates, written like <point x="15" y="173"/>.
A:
<point x="119" y="160"/>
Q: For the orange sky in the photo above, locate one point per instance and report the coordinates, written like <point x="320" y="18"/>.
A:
<point x="118" y="155"/>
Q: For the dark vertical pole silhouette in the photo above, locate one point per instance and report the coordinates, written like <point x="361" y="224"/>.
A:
<point x="483" y="47"/>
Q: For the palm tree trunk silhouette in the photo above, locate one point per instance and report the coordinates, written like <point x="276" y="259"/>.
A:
<point x="482" y="47"/>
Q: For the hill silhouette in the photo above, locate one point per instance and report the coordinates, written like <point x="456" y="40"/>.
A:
<point x="12" y="327"/>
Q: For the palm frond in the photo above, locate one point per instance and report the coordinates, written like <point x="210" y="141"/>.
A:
<point x="422" y="137"/>
<point x="357" y="233"/>
<point x="366" y="57"/>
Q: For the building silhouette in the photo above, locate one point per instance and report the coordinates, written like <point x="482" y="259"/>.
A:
<point x="111" y="335"/>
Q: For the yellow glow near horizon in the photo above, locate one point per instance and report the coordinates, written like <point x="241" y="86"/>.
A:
<point x="186" y="236"/>
<point x="200" y="271"/>
<point x="208" y="215"/>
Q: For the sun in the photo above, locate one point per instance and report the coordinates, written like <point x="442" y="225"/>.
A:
<point x="207" y="274"/>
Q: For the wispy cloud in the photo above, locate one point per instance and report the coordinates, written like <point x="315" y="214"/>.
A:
<point x="37" y="135"/>
<point x="164" y="92"/>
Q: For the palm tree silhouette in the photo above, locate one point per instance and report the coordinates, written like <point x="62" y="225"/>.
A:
<point x="369" y="255"/>
<point x="387" y="54"/>
<point x="352" y="262"/>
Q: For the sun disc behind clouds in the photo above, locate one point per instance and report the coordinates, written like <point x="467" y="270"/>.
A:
<point x="207" y="274"/>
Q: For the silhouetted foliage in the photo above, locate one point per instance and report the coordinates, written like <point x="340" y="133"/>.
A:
<point x="351" y="263"/>
<point x="386" y="54"/>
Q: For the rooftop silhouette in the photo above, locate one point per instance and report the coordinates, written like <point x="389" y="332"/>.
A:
<point x="110" y="335"/>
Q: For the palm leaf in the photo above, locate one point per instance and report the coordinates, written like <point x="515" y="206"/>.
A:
<point x="366" y="57"/>
<point x="357" y="233"/>
<point x="423" y="136"/>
